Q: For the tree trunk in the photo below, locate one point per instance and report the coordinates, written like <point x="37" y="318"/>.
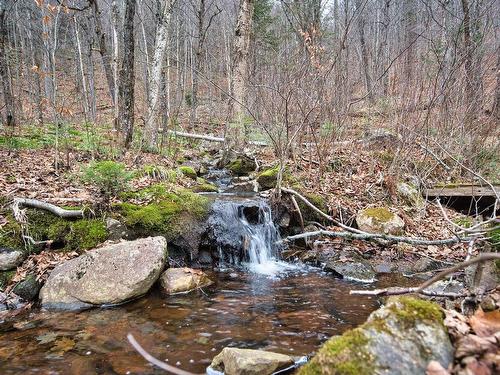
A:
<point x="364" y="49"/>
<point x="126" y="76"/>
<point x="4" y="75"/>
<point x="156" y="75"/>
<point x="103" y="50"/>
<point x="469" y="72"/>
<point x="239" y="82"/>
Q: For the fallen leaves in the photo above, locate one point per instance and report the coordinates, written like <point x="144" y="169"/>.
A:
<point x="485" y="324"/>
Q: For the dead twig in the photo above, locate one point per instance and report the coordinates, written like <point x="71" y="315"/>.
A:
<point x="148" y="357"/>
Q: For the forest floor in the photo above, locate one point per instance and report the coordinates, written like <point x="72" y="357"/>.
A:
<point x="351" y="176"/>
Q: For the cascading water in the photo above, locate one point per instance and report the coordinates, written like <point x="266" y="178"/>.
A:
<point x="245" y="235"/>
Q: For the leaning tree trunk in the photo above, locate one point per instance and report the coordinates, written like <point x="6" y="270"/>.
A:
<point x="239" y="81"/>
<point x="126" y="76"/>
<point x="4" y="75"/>
<point x="156" y="75"/>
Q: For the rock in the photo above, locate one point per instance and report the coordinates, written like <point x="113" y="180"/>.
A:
<point x="267" y="179"/>
<point x="490" y="277"/>
<point x="244" y="187"/>
<point x="183" y="280"/>
<point x="188" y="171"/>
<point x="28" y="289"/>
<point x="398" y="339"/>
<point x="110" y="275"/>
<point x="379" y="220"/>
<point x="352" y="270"/>
<point x="6" y="277"/>
<point x="379" y="138"/>
<point x="10" y="258"/>
<point x="446" y="286"/>
<point x="116" y="230"/>
<point x="242" y="165"/>
<point x="410" y="195"/>
<point x="234" y="361"/>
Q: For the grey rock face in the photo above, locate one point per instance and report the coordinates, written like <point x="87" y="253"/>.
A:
<point x="10" y="258"/>
<point x="110" y="275"/>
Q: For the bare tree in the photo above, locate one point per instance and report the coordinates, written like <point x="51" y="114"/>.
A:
<point x="10" y="118"/>
<point x="126" y="76"/>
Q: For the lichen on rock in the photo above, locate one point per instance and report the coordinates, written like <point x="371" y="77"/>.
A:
<point x="379" y="220"/>
<point x="400" y="338"/>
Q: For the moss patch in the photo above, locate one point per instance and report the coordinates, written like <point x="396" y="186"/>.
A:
<point x="380" y="214"/>
<point x="242" y="166"/>
<point x="188" y="171"/>
<point x="410" y="309"/>
<point x="307" y="212"/>
<point x="168" y="214"/>
<point x="11" y="234"/>
<point x="5" y="278"/>
<point x="86" y="234"/>
<point x="342" y="355"/>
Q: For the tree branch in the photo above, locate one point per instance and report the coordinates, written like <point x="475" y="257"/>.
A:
<point x="56" y="210"/>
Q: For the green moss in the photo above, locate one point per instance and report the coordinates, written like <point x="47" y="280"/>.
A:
<point x="86" y="234"/>
<point x="58" y="230"/>
<point x="168" y="214"/>
<point x="465" y="222"/>
<point x="410" y="309"/>
<point x="11" y="234"/>
<point x="242" y="166"/>
<point x="268" y="178"/>
<point x="5" y="278"/>
<point x="188" y="171"/>
<point x="205" y="188"/>
<point x="380" y="214"/>
<point x="342" y="355"/>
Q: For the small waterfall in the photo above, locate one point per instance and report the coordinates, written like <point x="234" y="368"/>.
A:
<point x="246" y="235"/>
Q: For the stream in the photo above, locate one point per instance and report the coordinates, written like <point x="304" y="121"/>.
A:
<point x="257" y="302"/>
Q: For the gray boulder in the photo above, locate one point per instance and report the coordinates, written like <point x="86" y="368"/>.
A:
<point x="357" y="270"/>
<point x="110" y="275"/>
<point x="234" y="361"/>
<point x="10" y="258"/>
<point x="398" y="339"/>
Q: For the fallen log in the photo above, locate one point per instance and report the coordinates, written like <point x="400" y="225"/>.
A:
<point x="210" y="138"/>
<point x="56" y="210"/>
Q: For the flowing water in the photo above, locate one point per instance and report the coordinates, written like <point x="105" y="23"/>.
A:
<point x="292" y="313"/>
<point x="257" y="302"/>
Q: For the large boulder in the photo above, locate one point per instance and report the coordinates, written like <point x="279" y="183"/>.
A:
<point x="398" y="339"/>
<point x="10" y="258"/>
<point x="234" y="361"/>
<point x="379" y="220"/>
<point x="110" y="275"/>
<point x="183" y="280"/>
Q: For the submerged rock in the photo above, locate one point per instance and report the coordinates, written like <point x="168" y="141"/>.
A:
<point x="234" y="361"/>
<point x="379" y="220"/>
<point x="357" y="270"/>
<point x="10" y="258"/>
<point x="109" y="275"/>
<point x="400" y="338"/>
<point x="183" y="280"/>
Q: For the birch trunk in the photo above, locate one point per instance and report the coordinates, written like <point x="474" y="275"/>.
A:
<point x="239" y="81"/>
<point x="155" y="79"/>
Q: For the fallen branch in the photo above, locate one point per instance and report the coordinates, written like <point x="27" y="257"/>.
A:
<point x="210" y="138"/>
<point x="148" y="357"/>
<point x="374" y="236"/>
<point x="56" y="210"/>
<point x="421" y="288"/>
<point x="317" y="210"/>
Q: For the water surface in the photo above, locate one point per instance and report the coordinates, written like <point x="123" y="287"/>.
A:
<point x="292" y="314"/>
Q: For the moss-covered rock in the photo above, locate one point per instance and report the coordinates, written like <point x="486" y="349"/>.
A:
<point x="168" y="214"/>
<point x="205" y="188"/>
<point x="242" y="165"/>
<point x="5" y="278"/>
<point x="86" y="234"/>
<point x="400" y="338"/>
<point x="267" y="179"/>
<point x="11" y="234"/>
<point x="307" y="212"/>
<point x="188" y="171"/>
<point x="28" y="288"/>
<point x="379" y="220"/>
